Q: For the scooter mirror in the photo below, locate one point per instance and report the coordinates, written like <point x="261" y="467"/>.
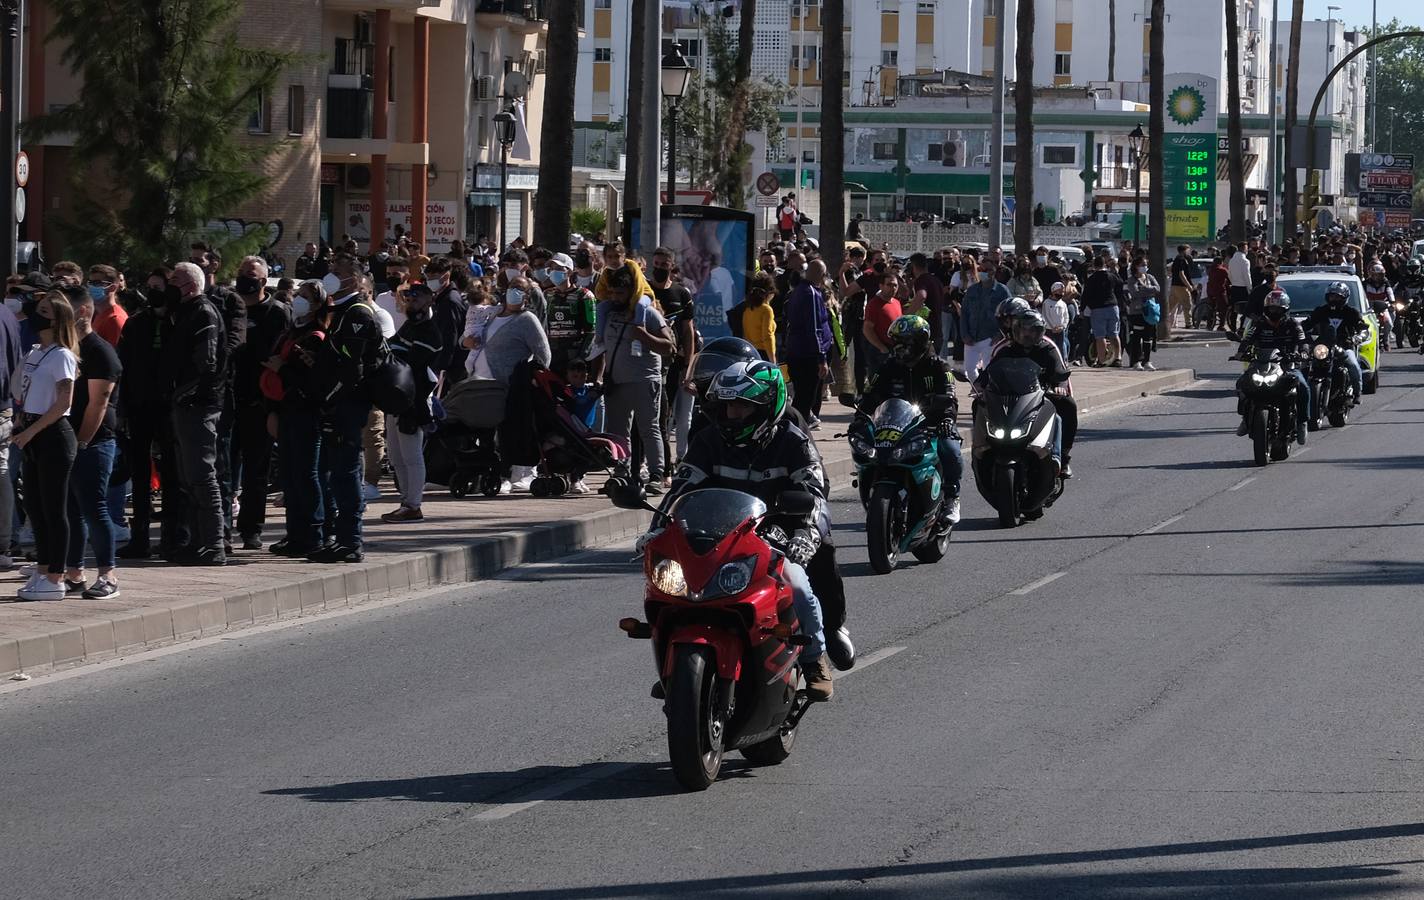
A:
<point x="796" y="503"/>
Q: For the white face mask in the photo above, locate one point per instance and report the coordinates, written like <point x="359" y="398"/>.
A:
<point x="332" y="283"/>
<point x="14" y="304"/>
<point x="301" y="307"/>
<point x="1042" y="260"/>
<point x="514" y="298"/>
<point x="511" y="274"/>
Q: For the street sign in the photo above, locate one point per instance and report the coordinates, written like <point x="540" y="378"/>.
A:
<point x="767" y="202"/>
<point x="768" y="184"/>
<point x="1386" y="200"/>
<point x="19" y="204"/>
<point x="1387" y="181"/>
<point x="22" y="168"/>
<point x="1367" y="218"/>
<point x="1401" y="161"/>
<point x="1396" y="219"/>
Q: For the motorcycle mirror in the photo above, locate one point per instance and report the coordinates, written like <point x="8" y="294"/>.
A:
<point x="960" y="375"/>
<point x="626" y="494"/>
<point x="796" y="503"/>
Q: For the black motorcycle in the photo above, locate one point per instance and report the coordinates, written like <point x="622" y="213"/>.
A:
<point x="1016" y="436"/>
<point x="1268" y="393"/>
<point x="1331" y="393"/>
<point x="901" y="485"/>
<point x="1409" y="317"/>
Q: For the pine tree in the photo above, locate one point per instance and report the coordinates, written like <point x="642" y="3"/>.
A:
<point x="165" y="97"/>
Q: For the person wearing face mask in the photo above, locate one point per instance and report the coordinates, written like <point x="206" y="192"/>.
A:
<point x="681" y="314"/>
<point x="267" y="321"/>
<point x="572" y="316"/>
<point x="586" y="265"/>
<point x="538" y="271"/>
<point x="397" y="280"/>
<point x="1143" y="292"/>
<point x="109" y="317"/>
<point x="448" y="313"/>
<point x="636" y="338"/>
<point x="515" y="264"/>
<point x="978" y="327"/>
<point x="144" y="405"/>
<point x="1024" y="285"/>
<point x="292" y="383"/>
<point x="418" y="344"/>
<point x="1045" y="272"/>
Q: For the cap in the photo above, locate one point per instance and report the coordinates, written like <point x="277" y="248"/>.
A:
<point x="418" y="287"/>
<point x="1058" y="286"/>
<point x="562" y="260"/>
<point x="35" y="281"/>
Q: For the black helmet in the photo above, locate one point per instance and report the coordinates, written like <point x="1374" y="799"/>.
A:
<point x="759" y="383"/>
<point x="1029" y="329"/>
<point x="909" y="339"/>
<point x="1009" y="310"/>
<point x="718" y="355"/>
<point x="1276" y="304"/>
<point x="1337" y="290"/>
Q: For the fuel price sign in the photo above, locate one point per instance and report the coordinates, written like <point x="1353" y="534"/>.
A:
<point x="1189" y="186"/>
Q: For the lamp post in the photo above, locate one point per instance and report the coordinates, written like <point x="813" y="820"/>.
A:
<point x="504" y="126"/>
<point x="10" y="14"/>
<point x="675" y="75"/>
<point x="1135" y="140"/>
<point x="1390" y="148"/>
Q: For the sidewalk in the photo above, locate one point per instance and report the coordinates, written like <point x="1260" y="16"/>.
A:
<point x="459" y="541"/>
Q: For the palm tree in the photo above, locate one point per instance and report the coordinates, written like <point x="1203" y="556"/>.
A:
<point x="1292" y="198"/>
<point x="832" y="181"/>
<point x="1023" y="130"/>
<point x="1156" y="134"/>
<point x="554" y="200"/>
<point x="1236" y="171"/>
<point x="1112" y="40"/>
<point x="729" y="177"/>
<point x="633" y="107"/>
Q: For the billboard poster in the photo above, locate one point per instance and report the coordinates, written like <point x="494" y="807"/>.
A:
<point x="713" y="246"/>
<point x="441" y="223"/>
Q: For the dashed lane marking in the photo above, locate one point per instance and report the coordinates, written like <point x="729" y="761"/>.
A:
<point x="1242" y="483"/>
<point x="864" y="662"/>
<point x="1035" y="585"/>
<point x="1160" y="525"/>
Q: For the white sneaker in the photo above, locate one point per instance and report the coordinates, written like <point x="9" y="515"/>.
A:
<point x="953" y="513"/>
<point x="522" y="484"/>
<point x="580" y="487"/>
<point x="505" y="487"/>
<point x="370" y="491"/>
<point x="31" y="570"/>
<point x="42" y="589"/>
<point x="1149" y="367"/>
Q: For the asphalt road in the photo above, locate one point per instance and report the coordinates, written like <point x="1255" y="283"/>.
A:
<point x="1191" y="678"/>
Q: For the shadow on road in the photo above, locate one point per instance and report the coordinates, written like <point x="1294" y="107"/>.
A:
<point x="990" y="525"/>
<point x="1299" y="882"/>
<point x="1196" y="465"/>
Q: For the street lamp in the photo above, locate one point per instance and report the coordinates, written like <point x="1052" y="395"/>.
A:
<point x="1391" y="128"/>
<point x="504" y="127"/>
<point x="675" y="75"/>
<point x="1135" y="140"/>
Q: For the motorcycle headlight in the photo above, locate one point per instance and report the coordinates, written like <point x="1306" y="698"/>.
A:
<point x="1017" y="433"/>
<point x="1320" y="352"/>
<point x="1399" y="306"/>
<point x="732" y="578"/>
<point x="860" y="446"/>
<point x="667" y="577"/>
<point x="913" y="449"/>
<point x="1268" y="378"/>
<point x="999" y="433"/>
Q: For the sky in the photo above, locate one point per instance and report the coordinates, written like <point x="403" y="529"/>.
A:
<point x="1357" y="12"/>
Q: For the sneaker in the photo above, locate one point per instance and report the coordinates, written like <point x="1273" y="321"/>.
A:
<point x="1067" y="470"/>
<point x="522" y="484"/>
<point x="30" y="571"/>
<point x="506" y="487"/>
<point x="1149" y="367"/>
<point x="203" y="558"/>
<point x="335" y="553"/>
<point x="951" y="515"/>
<point x="653" y="488"/>
<point x="30" y="582"/>
<point x="7" y="562"/>
<point x="819" y="686"/>
<point x="814" y="424"/>
<point x="75" y="587"/>
<point x="370" y="491"/>
<point x="251" y="542"/>
<point x="42" y="589"/>
<point x="105" y="588"/>
<point x="403" y="514"/>
<point x="580" y="487"/>
<point x="1140" y="367"/>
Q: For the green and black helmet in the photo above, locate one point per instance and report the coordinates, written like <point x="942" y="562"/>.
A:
<point x="909" y="339"/>
<point x="759" y="384"/>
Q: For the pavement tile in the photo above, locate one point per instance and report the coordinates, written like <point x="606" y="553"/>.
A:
<point x="311" y="595"/>
<point x="333" y="589"/>
<point x="66" y="645"/>
<point x="98" y="638"/>
<point x="186" y="622"/>
<point x="264" y="605"/>
<point x="36" y="652"/>
<point x="212" y="615"/>
<point x="128" y="631"/>
<point x="356" y="589"/>
<point x="237" y="609"/>
<point x="157" y="625"/>
<point x="289" y="599"/>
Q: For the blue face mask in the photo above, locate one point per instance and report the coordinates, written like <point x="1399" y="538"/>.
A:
<point x="96" y="293"/>
<point x="558" y="277"/>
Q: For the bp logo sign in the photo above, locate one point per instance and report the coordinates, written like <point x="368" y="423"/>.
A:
<point x="1186" y="105"/>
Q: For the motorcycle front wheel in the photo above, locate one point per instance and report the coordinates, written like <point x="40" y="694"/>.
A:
<point x="1261" y="435"/>
<point x="934" y="549"/>
<point x="694" y="732"/>
<point x="1006" y="497"/>
<point x="879" y="529"/>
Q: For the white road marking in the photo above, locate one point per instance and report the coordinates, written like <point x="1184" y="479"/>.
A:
<point x="1242" y="483"/>
<point x="1303" y="451"/>
<point x="1035" y="585"/>
<point x="868" y="660"/>
<point x="1160" y="525"/>
<point x="553" y="790"/>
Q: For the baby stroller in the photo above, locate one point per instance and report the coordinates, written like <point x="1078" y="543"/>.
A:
<point x="567" y="448"/>
<point x="463" y="452"/>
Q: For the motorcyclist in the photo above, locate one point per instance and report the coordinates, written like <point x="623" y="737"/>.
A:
<point x="915" y="375"/>
<point x="1380" y="297"/>
<point x="754" y="448"/>
<point x="1029" y="340"/>
<point x="710" y="362"/>
<point x="1008" y="311"/>
<point x="1336" y="317"/>
<point x="1277" y="330"/>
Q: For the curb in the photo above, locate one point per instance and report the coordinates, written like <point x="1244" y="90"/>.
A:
<point x="134" y="631"/>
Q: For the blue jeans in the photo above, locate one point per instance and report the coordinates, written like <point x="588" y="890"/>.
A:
<point x="1357" y="375"/>
<point x="808" y="609"/>
<point x="951" y="463"/>
<point x="341" y="462"/>
<point x="299" y="441"/>
<point x="89" y="506"/>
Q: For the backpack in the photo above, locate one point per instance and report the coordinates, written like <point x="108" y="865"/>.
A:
<point x="1151" y="311"/>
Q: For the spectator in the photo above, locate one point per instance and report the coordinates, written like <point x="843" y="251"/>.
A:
<point x="449" y="316"/>
<point x="1101" y="294"/>
<point x="681" y="314"/>
<point x="881" y="309"/>
<point x="109" y="316"/>
<point x="978" y="326"/>
<point x="809" y="342"/>
<point x="1143" y="293"/>
<point x="572" y="315"/>
<point x="267" y="322"/>
<point x="1045" y="272"/>
<point x="758" y="322"/>
<point x="1183" y="295"/>
<point x="11" y="355"/>
<point x="418" y="344"/>
<point x="1218" y="291"/>
<point x="1055" y="316"/>
<point x="144" y="402"/>
<point x="43" y="392"/>
<point x="636" y="338"/>
<point x="93" y="416"/>
<point x="397" y="280"/>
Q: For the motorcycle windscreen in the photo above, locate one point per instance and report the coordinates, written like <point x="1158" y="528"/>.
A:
<point x="707" y="516"/>
<point x="1012" y="376"/>
<point x="892" y="419"/>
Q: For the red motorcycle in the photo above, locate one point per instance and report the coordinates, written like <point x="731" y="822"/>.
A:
<point x="725" y="635"/>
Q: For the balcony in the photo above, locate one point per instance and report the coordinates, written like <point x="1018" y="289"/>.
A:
<point x="349" y="112"/>
<point x="525" y="16"/>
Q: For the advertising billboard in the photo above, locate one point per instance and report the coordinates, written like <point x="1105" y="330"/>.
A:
<point x="713" y="246"/>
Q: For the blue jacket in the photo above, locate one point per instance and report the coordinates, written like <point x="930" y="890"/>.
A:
<point x="808" y="324"/>
<point x="976" y="317"/>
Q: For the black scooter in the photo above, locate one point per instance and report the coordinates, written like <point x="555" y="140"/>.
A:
<point x="1268" y="394"/>
<point x="1017" y="434"/>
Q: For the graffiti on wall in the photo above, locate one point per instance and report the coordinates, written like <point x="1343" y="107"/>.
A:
<point x="270" y="232"/>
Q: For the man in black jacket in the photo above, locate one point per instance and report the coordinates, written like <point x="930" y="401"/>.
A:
<point x="145" y="419"/>
<point x="448" y="314"/>
<point x="267" y="320"/>
<point x="196" y="363"/>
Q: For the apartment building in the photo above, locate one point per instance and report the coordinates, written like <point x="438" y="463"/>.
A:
<point x="1323" y="43"/>
<point x="385" y="121"/>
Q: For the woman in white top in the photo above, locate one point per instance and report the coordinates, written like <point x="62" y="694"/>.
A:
<point x="43" y="387"/>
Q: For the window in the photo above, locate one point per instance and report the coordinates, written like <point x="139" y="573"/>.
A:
<point x="1065" y="11"/>
<point x="260" y="120"/>
<point x="808" y="52"/>
<point x="883" y="150"/>
<point x="1062" y="64"/>
<point x="936" y="152"/>
<point x="296" y="109"/>
<point x="1060" y="154"/>
<point x="991" y="7"/>
<point x="483" y="132"/>
<point x="925" y="7"/>
<point x="391" y="75"/>
<point x="603" y="54"/>
<point x="890" y="58"/>
<point x="1010" y="153"/>
<point x="845" y="77"/>
<point x="602" y="4"/>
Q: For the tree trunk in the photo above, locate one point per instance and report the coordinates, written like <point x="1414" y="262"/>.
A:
<point x="1023" y="130"/>
<point x="832" y="181"/>
<point x="1236" y="172"/>
<point x="1112" y="40"/>
<point x="633" y="110"/>
<point x="1156" y="134"/>
<point x="1292" y="192"/>
<point x="554" y="200"/>
<point x="730" y="188"/>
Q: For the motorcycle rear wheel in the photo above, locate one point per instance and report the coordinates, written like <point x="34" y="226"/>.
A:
<point x="933" y="550"/>
<point x="879" y="526"/>
<point x="1006" y="499"/>
<point x="771" y="752"/>
<point x="1261" y="436"/>
<point x="694" y="734"/>
<point x="1340" y="418"/>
